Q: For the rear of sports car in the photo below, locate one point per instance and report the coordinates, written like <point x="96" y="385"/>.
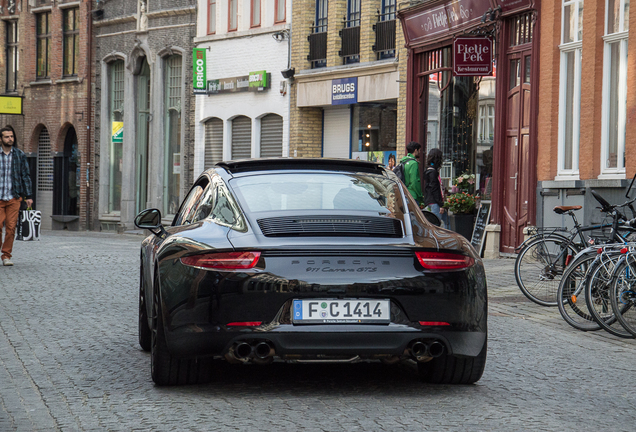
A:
<point x="329" y="266"/>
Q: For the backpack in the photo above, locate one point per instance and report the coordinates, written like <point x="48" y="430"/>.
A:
<point x="399" y="171"/>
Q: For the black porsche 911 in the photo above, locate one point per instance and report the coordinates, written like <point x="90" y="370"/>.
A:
<point x="304" y="260"/>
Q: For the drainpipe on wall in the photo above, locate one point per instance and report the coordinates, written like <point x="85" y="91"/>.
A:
<point x="89" y="46"/>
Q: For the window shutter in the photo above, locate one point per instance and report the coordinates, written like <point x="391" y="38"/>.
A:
<point x="213" y="142"/>
<point x="241" y="138"/>
<point x="272" y="136"/>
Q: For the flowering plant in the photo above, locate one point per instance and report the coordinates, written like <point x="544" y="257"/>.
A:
<point x="460" y="203"/>
<point x="464" y="182"/>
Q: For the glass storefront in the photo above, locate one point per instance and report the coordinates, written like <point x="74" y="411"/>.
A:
<point x="460" y="116"/>
<point x="373" y="132"/>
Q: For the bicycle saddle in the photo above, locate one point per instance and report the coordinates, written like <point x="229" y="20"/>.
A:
<point x="565" y="209"/>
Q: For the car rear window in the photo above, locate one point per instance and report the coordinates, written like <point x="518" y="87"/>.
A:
<point x="315" y="191"/>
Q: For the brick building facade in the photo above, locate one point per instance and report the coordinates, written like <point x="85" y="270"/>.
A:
<point x="352" y="43"/>
<point x="587" y="102"/>
<point x="45" y="59"/>
<point x="144" y="107"/>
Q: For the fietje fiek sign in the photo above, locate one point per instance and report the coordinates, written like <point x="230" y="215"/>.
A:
<point x="11" y="105"/>
<point x="255" y="81"/>
<point x="199" y="65"/>
<point x="472" y="56"/>
<point x="344" y="91"/>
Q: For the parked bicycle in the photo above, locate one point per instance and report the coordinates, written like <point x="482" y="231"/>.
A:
<point x="543" y="258"/>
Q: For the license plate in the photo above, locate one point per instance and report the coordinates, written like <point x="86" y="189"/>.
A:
<point x="355" y="311"/>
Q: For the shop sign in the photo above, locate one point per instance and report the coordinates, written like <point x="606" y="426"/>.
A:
<point x="344" y="91"/>
<point x="254" y="82"/>
<point x="258" y="79"/>
<point x="443" y="19"/>
<point x="199" y="66"/>
<point x="472" y="56"/>
<point x="118" y="132"/>
<point x="11" y="105"/>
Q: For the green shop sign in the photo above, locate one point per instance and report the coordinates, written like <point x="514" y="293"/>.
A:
<point x="254" y="82"/>
<point x="199" y="65"/>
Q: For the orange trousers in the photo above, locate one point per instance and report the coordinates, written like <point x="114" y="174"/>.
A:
<point x="9" y="211"/>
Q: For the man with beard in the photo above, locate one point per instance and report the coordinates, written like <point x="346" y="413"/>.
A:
<point x="15" y="186"/>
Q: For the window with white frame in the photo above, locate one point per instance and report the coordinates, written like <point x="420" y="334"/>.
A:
<point x="255" y="13"/>
<point x="614" y="87"/>
<point x="570" y="87"/>
<point x="486" y="123"/>
<point x="211" y="16"/>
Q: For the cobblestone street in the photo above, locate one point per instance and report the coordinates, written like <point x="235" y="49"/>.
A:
<point x="70" y="361"/>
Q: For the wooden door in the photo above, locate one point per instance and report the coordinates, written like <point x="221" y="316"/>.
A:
<point x="516" y="169"/>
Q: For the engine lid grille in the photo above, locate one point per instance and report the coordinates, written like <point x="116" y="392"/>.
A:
<point x="347" y="226"/>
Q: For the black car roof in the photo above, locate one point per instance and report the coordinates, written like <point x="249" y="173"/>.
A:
<point x="326" y="164"/>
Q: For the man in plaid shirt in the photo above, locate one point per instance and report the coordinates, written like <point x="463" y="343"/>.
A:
<point x="15" y="186"/>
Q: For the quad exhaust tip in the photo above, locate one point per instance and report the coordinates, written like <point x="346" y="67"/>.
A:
<point x="422" y="351"/>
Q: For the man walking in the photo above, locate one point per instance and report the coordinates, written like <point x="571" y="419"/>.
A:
<point x="15" y="185"/>
<point x="412" y="171"/>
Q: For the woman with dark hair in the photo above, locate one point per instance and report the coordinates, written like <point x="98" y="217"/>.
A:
<point x="391" y="163"/>
<point x="434" y="189"/>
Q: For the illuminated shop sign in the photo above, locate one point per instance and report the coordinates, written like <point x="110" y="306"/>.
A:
<point x="472" y="56"/>
<point x="254" y="82"/>
<point x="199" y="66"/>
<point x="344" y="91"/>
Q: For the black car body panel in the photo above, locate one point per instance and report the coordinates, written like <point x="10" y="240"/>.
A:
<point x="198" y="304"/>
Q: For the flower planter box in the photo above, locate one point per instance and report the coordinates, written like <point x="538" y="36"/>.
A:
<point x="462" y="224"/>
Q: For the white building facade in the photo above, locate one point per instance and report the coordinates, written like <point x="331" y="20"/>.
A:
<point x="243" y="111"/>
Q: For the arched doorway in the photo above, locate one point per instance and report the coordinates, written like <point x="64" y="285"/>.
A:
<point x="66" y="184"/>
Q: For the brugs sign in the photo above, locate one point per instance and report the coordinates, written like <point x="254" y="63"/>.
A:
<point x="472" y="56"/>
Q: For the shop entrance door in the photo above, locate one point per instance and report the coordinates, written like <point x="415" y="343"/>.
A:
<point x="516" y="171"/>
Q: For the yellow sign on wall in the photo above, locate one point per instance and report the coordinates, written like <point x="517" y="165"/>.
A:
<point x="11" y="105"/>
<point x="118" y="132"/>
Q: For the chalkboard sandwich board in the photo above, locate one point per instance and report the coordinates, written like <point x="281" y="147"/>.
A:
<point x="479" y="231"/>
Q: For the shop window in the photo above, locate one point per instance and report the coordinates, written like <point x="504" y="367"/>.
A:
<point x="280" y="11"/>
<point x="211" y="16"/>
<point x="374" y="133"/>
<point x="233" y="15"/>
<point x="614" y="88"/>
<point x="43" y="48"/>
<point x="116" y="71"/>
<point x="570" y="88"/>
<point x="172" y="152"/>
<point x="459" y="115"/>
<point x="213" y="142"/>
<point x="255" y="13"/>
<point x="241" y="138"/>
<point x="71" y="41"/>
<point x="12" y="56"/>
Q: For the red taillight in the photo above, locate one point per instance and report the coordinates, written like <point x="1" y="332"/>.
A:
<point x="244" y="324"/>
<point x="223" y="260"/>
<point x="443" y="260"/>
<point x="434" y="323"/>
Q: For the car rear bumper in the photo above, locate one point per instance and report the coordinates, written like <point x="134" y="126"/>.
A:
<point x="288" y="340"/>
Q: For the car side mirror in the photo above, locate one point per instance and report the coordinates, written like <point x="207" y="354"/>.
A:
<point x="432" y="218"/>
<point x="150" y="219"/>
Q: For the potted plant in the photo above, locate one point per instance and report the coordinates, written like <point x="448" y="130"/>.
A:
<point x="462" y="216"/>
<point x="464" y="182"/>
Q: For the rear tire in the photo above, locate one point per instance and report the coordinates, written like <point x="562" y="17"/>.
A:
<point x="623" y="294"/>
<point x="572" y="304"/>
<point x="448" y="369"/>
<point x="539" y="268"/>
<point x="165" y="368"/>
<point x="145" y="337"/>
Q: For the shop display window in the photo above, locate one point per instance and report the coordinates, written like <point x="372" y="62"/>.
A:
<point x="373" y="133"/>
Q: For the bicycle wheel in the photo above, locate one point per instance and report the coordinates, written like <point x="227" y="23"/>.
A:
<point x="597" y="294"/>
<point x="572" y="294"/>
<point x="623" y="294"/>
<point x="539" y="268"/>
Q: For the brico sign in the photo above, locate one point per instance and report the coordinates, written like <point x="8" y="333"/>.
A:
<point x="472" y="56"/>
<point x="200" y="81"/>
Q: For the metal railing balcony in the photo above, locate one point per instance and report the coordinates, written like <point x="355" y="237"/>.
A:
<point x="350" y="39"/>
<point x="317" y="45"/>
<point x="384" y="36"/>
